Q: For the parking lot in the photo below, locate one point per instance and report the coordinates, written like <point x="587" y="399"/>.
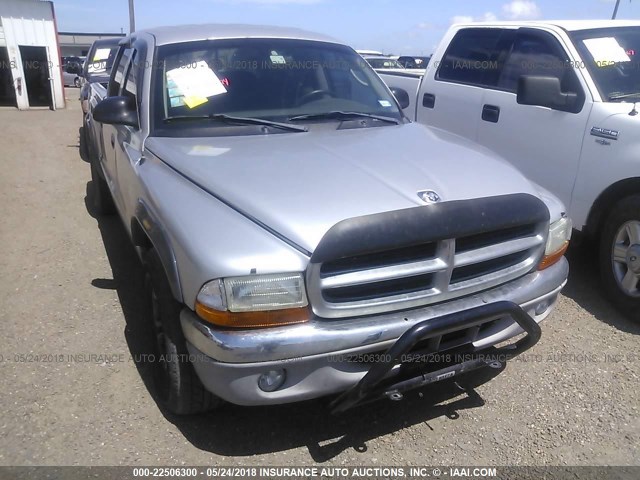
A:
<point x="75" y="389"/>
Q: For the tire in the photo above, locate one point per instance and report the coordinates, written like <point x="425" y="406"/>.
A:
<point x="619" y="257"/>
<point x="101" y="200"/>
<point x="84" y="144"/>
<point x="177" y="385"/>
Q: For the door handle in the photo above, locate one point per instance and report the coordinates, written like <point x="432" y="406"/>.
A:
<point x="429" y="100"/>
<point x="113" y="140"/>
<point x="491" y="113"/>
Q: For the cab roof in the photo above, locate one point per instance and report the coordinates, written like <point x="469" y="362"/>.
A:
<point x="569" y="25"/>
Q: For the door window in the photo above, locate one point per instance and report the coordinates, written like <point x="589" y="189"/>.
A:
<point x="129" y="88"/>
<point x="539" y="54"/>
<point x="532" y="55"/>
<point x="118" y="76"/>
<point x="470" y="57"/>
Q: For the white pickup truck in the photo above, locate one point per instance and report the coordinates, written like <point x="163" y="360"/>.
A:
<point x="558" y="100"/>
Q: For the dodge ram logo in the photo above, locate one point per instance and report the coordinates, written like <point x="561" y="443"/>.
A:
<point x="429" y="196"/>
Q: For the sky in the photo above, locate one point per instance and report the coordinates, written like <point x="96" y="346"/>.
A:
<point x="410" y="27"/>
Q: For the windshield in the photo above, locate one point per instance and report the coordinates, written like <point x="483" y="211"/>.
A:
<point x="102" y="60"/>
<point x="384" y="63"/>
<point x="270" y="79"/>
<point x="611" y="56"/>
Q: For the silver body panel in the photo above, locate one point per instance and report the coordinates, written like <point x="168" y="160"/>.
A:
<point x="300" y="185"/>
<point x="314" y="355"/>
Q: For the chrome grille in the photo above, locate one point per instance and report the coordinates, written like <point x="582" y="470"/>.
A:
<point x="423" y="274"/>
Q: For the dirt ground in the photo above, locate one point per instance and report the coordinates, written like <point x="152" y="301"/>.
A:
<point x="72" y="394"/>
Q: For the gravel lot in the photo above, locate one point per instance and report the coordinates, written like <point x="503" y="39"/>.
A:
<point x="70" y="285"/>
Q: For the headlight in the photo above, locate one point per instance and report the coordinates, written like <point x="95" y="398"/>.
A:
<point x="557" y="242"/>
<point x="254" y="301"/>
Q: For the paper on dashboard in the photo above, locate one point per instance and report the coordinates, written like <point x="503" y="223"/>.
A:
<point x="606" y="51"/>
<point x="195" y="83"/>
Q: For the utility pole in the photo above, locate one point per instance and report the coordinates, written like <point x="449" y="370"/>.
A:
<point x="132" y="17"/>
<point x="615" y="10"/>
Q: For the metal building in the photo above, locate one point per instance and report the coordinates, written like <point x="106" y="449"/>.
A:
<point x="30" y="74"/>
<point x="78" y="43"/>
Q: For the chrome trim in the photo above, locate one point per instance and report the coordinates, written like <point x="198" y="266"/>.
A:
<point x="496" y="278"/>
<point x="496" y="251"/>
<point x="319" y="336"/>
<point x="384" y="273"/>
<point x="323" y="374"/>
<point x="605" y="133"/>
<point x="439" y="289"/>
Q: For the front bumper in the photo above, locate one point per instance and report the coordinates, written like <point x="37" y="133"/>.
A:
<point x="316" y="355"/>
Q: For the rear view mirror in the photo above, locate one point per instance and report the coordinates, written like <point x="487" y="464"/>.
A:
<point x="117" y="111"/>
<point x="545" y="92"/>
<point x="401" y="96"/>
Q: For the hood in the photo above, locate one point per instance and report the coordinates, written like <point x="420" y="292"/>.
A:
<point x="301" y="184"/>
<point x="623" y="117"/>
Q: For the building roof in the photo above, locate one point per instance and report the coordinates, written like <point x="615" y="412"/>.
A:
<point x="75" y="39"/>
<point x="92" y="34"/>
<point x="190" y="33"/>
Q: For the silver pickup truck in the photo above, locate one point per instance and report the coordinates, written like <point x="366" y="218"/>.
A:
<point x="292" y="250"/>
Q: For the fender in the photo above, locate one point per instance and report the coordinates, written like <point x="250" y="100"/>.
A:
<point x="159" y="240"/>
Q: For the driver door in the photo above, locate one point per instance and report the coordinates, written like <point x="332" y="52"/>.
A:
<point x="543" y="143"/>
<point x="110" y="133"/>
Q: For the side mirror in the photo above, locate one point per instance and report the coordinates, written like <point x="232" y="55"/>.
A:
<point x="117" y="111"/>
<point x="545" y="92"/>
<point x="401" y="96"/>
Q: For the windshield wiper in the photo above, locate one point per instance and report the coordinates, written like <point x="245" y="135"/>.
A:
<point x="621" y="96"/>
<point x="338" y="115"/>
<point x="236" y="121"/>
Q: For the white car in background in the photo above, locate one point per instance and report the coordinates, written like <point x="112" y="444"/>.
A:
<point x="379" y="62"/>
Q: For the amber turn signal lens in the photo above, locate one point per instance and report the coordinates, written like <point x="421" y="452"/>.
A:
<point x="554" y="258"/>
<point x="272" y="318"/>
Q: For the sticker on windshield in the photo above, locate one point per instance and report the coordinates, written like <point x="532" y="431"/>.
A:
<point x="177" y="102"/>
<point x="99" y="66"/>
<point x="176" y="99"/>
<point x="606" y="51"/>
<point x="278" y="60"/>
<point x="194" y="85"/>
<point x="101" y="54"/>
<point x="385" y="103"/>
<point x="99" y="61"/>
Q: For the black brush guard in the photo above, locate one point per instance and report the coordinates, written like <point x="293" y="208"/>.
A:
<point x="371" y="386"/>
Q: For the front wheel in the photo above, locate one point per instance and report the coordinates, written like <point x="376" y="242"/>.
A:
<point x="620" y="256"/>
<point x="177" y="384"/>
